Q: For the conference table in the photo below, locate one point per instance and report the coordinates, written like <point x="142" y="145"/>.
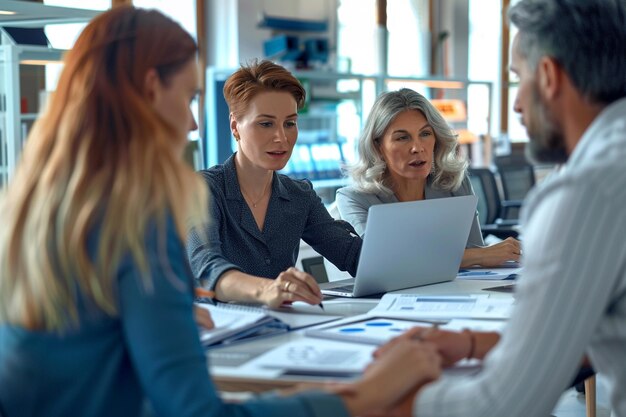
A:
<point x="230" y="365"/>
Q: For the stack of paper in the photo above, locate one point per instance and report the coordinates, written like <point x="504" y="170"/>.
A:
<point x="234" y="322"/>
<point x="344" y="348"/>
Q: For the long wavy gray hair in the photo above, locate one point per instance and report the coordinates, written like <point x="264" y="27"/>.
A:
<point x="369" y="172"/>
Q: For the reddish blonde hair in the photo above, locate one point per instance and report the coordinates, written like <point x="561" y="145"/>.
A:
<point x="99" y="156"/>
<point x="257" y="77"/>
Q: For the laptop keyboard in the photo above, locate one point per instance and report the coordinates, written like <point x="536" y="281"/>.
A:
<point x="343" y="288"/>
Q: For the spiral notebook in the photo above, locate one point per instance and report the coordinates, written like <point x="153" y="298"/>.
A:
<point x="236" y="322"/>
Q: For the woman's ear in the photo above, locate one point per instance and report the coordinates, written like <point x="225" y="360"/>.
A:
<point x="377" y="150"/>
<point x="233" y="126"/>
<point x="152" y="85"/>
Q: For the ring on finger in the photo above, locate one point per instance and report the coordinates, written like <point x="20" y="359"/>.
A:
<point x="287" y="284"/>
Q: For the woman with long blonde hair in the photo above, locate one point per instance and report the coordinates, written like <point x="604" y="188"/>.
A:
<point x="96" y="292"/>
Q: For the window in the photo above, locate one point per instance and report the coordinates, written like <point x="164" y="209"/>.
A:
<point x="484" y="64"/>
<point x="357" y="44"/>
<point x="63" y="36"/>
<point x="184" y="12"/>
<point x="356" y="27"/>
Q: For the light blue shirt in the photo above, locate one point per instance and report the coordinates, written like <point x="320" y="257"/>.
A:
<point x="353" y="205"/>
<point x="570" y="297"/>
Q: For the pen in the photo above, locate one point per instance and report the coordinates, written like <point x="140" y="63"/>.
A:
<point x="202" y="293"/>
<point x="321" y="306"/>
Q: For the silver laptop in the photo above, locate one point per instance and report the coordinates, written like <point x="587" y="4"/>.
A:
<point x="409" y="244"/>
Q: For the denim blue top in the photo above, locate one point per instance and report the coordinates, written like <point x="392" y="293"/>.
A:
<point x="234" y="241"/>
<point x="108" y="366"/>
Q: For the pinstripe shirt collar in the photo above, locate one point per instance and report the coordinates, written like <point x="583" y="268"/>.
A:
<point x="596" y="139"/>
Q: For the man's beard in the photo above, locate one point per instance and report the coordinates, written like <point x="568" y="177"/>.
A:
<point x="547" y="143"/>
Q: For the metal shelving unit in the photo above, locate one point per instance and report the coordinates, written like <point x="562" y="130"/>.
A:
<point x="14" y="124"/>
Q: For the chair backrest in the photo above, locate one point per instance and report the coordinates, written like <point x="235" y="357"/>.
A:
<point x="315" y="266"/>
<point x="517" y="176"/>
<point x="486" y="189"/>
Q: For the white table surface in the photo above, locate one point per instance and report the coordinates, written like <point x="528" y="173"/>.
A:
<point x="228" y="364"/>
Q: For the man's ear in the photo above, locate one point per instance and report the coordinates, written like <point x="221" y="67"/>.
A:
<point x="152" y="85"/>
<point x="549" y="77"/>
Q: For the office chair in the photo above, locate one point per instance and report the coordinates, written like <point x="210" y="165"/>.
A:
<point x="315" y="266"/>
<point x="490" y="205"/>
<point x="517" y="176"/>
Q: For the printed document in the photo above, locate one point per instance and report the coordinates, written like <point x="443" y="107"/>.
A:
<point x="489" y="273"/>
<point x="308" y="356"/>
<point x="379" y="330"/>
<point x="417" y="306"/>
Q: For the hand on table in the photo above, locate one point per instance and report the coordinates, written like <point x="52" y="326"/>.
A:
<point x="395" y="373"/>
<point x="291" y="285"/>
<point x="495" y="255"/>
<point x="203" y="317"/>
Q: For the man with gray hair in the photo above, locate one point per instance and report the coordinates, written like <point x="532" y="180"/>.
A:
<point x="570" y="56"/>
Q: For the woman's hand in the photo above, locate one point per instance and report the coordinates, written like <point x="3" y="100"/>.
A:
<point x="396" y="373"/>
<point x="203" y="317"/>
<point x="291" y="285"/>
<point x="494" y="255"/>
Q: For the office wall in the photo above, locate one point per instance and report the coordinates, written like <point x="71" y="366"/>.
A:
<point x="235" y="37"/>
<point x="251" y="37"/>
<point x="233" y="32"/>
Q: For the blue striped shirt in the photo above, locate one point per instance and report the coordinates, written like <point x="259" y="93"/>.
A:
<point x="571" y="296"/>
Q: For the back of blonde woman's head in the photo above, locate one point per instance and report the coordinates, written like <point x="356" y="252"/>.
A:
<point x="99" y="156"/>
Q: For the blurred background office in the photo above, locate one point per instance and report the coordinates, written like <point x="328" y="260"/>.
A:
<point x="345" y="52"/>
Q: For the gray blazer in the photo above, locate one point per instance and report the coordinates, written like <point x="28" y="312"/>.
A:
<point x="353" y="205"/>
<point x="234" y="241"/>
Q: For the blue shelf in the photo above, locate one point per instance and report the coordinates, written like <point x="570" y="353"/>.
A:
<point x="296" y="25"/>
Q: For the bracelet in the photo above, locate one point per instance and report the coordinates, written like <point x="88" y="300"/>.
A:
<point x="472" y="337"/>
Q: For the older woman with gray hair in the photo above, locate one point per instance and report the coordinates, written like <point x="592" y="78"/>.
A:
<point x="407" y="152"/>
